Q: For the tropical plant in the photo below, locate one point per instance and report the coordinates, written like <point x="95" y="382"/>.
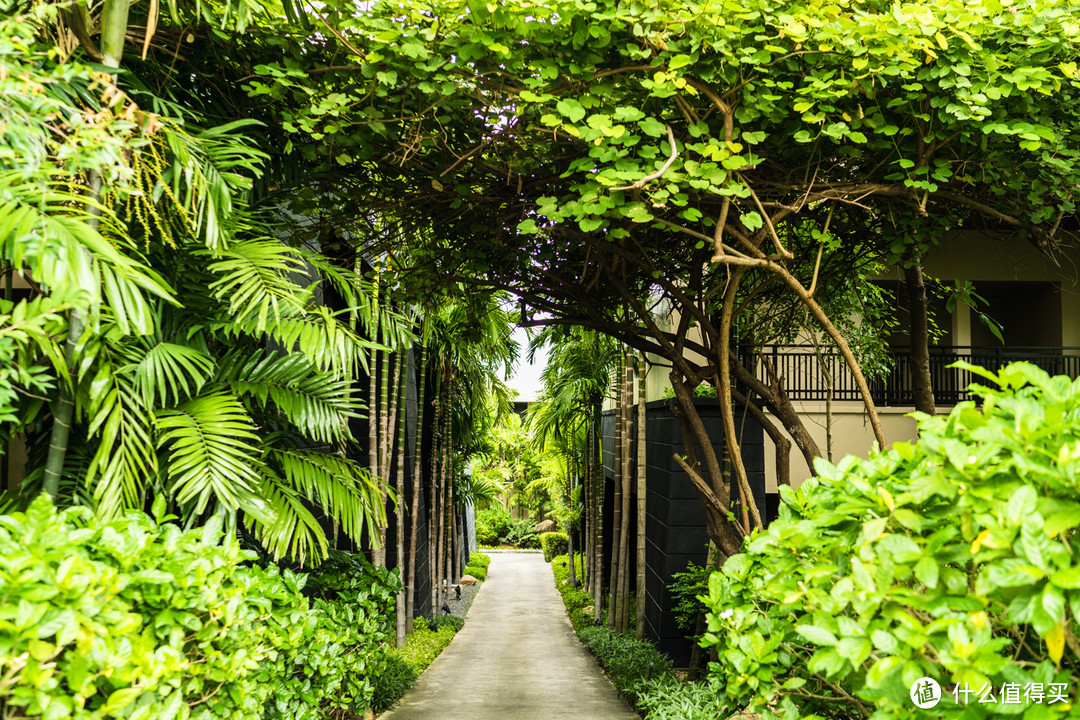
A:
<point x="134" y="617"/>
<point x="206" y="371"/>
<point x="951" y="559"/>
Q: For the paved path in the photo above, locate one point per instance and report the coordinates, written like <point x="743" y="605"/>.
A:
<point x="517" y="658"/>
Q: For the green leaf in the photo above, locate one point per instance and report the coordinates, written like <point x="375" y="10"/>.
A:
<point x="816" y="635"/>
<point x="571" y="109"/>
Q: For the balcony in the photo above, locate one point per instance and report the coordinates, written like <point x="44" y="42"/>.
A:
<point x="805" y="373"/>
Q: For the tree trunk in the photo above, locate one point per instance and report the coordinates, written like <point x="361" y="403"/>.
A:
<point x="615" y="580"/>
<point x="399" y="599"/>
<point x="639" y="630"/>
<point x="114" y="22"/>
<point x="388" y="417"/>
<point x="598" y="513"/>
<point x="727" y="537"/>
<point x="731" y="441"/>
<point x="436" y="491"/>
<point x="414" y="508"/>
<point x="571" y="473"/>
<point x="622" y="622"/>
<point x="378" y="554"/>
<point x="921" y="383"/>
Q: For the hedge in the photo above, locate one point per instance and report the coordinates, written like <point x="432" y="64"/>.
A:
<point x="138" y="619"/>
<point x="955" y="559"/>
<point x="554" y="543"/>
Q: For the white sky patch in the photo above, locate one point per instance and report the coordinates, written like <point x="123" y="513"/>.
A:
<point x="526" y="377"/>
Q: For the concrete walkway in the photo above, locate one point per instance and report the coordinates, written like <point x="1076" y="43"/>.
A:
<point x="517" y="658"/>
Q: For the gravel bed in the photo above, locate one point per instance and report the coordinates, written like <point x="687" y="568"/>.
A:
<point x="461" y="607"/>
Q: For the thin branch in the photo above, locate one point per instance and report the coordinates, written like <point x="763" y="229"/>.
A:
<point x="663" y="168"/>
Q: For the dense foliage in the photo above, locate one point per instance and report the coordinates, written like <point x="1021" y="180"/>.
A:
<point x="135" y="618"/>
<point x="553" y="543"/>
<point x="954" y="559"/>
<point x="642" y="674"/>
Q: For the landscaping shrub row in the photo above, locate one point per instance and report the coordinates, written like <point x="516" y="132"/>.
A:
<point x="477" y="567"/>
<point x="554" y="543"/>
<point x="954" y="559"/>
<point x="642" y="674"/>
<point x="404" y="665"/>
<point x="136" y="618"/>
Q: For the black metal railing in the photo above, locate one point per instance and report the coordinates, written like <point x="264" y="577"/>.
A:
<point x="808" y="375"/>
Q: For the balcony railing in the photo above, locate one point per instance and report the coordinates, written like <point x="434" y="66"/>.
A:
<point x="806" y="375"/>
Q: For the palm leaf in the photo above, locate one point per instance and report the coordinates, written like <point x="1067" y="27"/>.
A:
<point x="166" y="373"/>
<point x="318" y="403"/>
<point x="212" y="453"/>
<point x="254" y="281"/>
<point x="342" y="488"/>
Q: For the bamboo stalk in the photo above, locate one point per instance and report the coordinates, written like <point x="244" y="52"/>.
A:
<point x="414" y="508"/>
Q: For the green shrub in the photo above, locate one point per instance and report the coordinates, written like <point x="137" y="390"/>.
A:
<point x="954" y="559"/>
<point x="492" y="524"/>
<point x="686" y="589"/>
<point x="553" y="543"/>
<point x="480" y="573"/>
<point x="451" y="621"/>
<point x="575" y="598"/>
<point x="521" y="534"/>
<point x="129" y="618"/>
<point x="479" y="560"/>
<point x="393" y="682"/>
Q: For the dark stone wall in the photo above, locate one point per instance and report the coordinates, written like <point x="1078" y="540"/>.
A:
<point x="675" y="519"/>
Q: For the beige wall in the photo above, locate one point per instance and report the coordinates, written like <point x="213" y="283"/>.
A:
<point x="851" y="435"/>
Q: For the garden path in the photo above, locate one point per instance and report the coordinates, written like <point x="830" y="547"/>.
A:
<point x="517" y="658"/>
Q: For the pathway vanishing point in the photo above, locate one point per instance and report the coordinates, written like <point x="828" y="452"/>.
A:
<point x="517" y="658"/>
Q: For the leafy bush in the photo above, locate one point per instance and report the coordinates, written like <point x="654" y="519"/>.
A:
<point x="522" y="534"/>
<point x="479" y="560"/>
<point x="952" y="559"/>
<point x="477" y="572"/>
<point x="553" y="543"/>
<point x="130" y="618"/>
<point x="352" y="602"/>
<point x="575" y="599"/>
<point x="686" y="589"/>
<point x="451" y="621"/>
<point x="394" y="681"/>
<point x="492" y="524"/>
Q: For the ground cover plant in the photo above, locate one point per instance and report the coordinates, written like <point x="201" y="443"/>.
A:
<point x="953" y="559"/>
<point x="477" y="567"/>
<point x="642" y="674"/>
<point x="405" y="664"/>
<point x="137" y="618"/>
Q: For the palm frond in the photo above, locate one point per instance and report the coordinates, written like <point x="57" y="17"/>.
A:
<point x="343" y="489"/>
<point x="254" y="282"/>
<point x="165" y="373"/>
<point x="320" y="404"/>
<point x="213" y="453"/>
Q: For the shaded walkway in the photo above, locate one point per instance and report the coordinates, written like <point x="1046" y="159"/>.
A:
<point x="517" y="658"/>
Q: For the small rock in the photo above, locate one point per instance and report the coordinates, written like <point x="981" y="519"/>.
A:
<point x="546" y="526"/>
<point x="468" y="580"/>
